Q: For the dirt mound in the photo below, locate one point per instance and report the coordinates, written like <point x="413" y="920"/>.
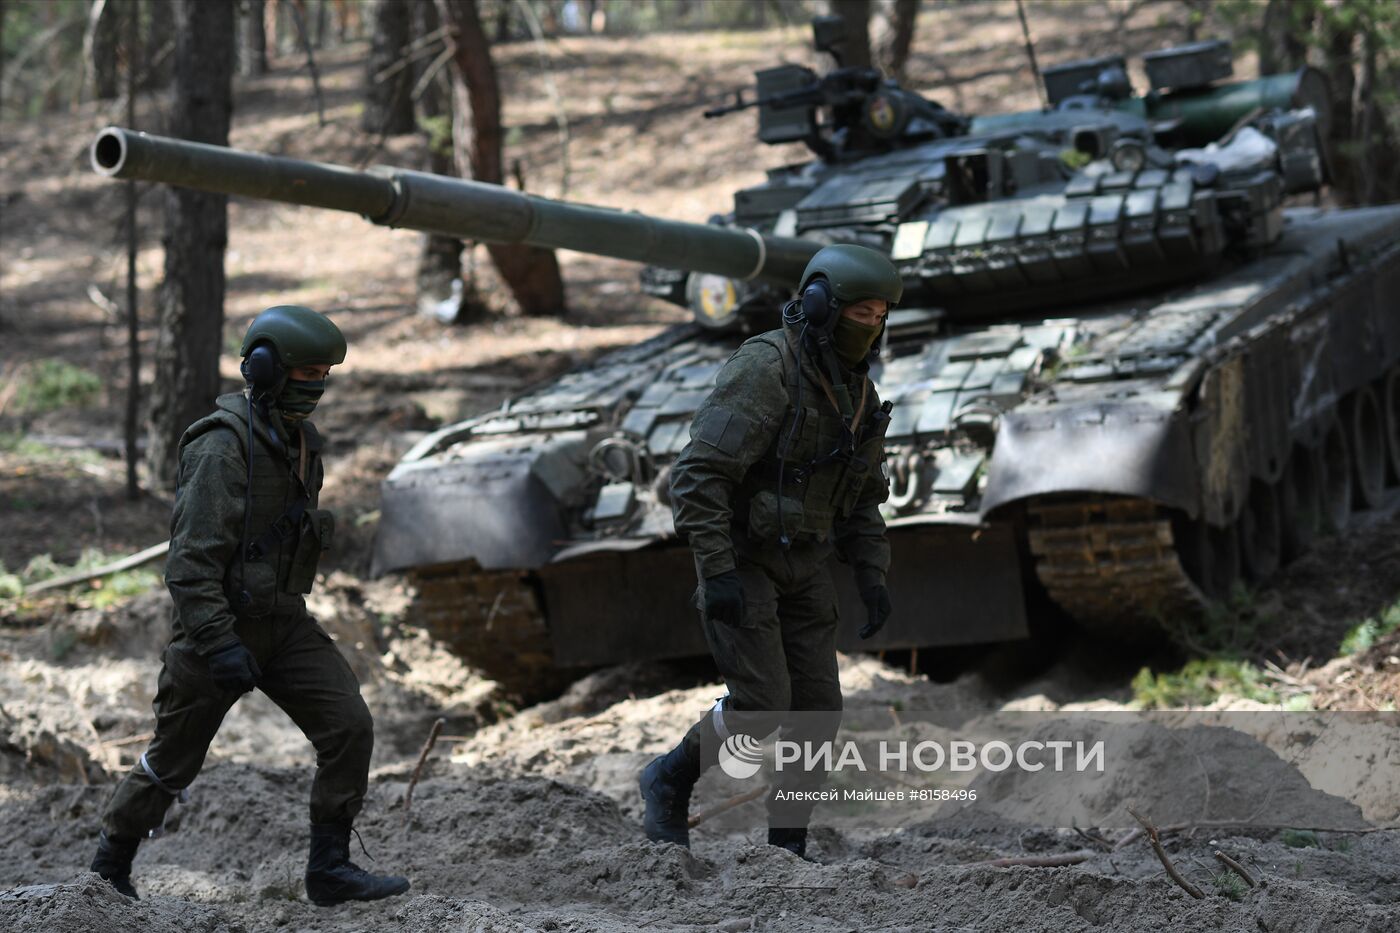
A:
<point x="89" y="903"/>
<point x="1197" y="773"/>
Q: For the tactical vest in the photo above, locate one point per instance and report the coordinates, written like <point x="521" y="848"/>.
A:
<point x="821" y="478"/>
<point x="292" y="538"/>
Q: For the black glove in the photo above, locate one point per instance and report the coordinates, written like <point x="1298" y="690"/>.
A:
<point x="233" y="668"/>
<point x="724" y="598"/>
<point x="877" y="608"/>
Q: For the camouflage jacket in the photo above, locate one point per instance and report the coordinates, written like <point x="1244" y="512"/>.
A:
<point x="212" y="587"/>
<point x="724" y="485"/>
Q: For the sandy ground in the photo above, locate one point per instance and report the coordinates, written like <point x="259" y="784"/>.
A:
<point x="530" y="820"/>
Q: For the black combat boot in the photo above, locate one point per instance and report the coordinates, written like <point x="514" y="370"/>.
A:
<point x="666" y="785"/>
<point x="794" y="840"/>
<point x="113" y="862"/>
<point x="331" y="878"/>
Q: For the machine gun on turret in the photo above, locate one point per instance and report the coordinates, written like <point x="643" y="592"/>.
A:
<point x="866" y="112"/>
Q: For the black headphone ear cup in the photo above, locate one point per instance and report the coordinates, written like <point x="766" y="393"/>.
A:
<point x="262" y="370"/>
<point x="816" y="304"/>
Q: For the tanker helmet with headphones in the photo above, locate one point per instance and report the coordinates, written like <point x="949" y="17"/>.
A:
<point x="841" y="275"/>
<point x="283" y="338"/>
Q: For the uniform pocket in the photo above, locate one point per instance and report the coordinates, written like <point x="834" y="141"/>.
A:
<point x="253" y="592"/>
<point x="187" y="667"/>
<point x="317" y="531"/>
<point x="765" y="525"/>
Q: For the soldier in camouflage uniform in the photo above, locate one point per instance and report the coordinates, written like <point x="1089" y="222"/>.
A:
<point x="246" y="535"/>
<point x="783" y="468"/>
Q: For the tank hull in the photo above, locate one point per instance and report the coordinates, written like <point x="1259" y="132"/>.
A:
<point x="1117" y="475"/>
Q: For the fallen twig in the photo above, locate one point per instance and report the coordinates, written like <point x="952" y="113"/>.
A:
<point x="1132" y="835"/>
<point x="422" y="760"/>
<point x="1094" y="838"/>
<point x="1237" y="868"/>
<point x="1162" y="856"/>
<point x="1039" y="861"/>
<point x="736" y="801"/>
<point x="129" y="740"/>
<point x="126" y="563"/>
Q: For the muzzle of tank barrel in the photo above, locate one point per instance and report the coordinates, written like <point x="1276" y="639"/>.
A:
<point x="498" y="502"/>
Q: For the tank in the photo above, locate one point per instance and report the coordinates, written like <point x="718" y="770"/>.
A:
<point x="1135" y="365"/>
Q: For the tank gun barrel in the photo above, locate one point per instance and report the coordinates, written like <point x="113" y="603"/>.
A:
<point x="455" y="207"/>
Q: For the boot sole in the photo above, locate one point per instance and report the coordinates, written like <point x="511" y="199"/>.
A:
<point x="335" y="901"/>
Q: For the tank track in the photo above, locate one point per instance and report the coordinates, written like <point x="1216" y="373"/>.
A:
<point x="493" y="620"/>
<point x="1113" y="565"/>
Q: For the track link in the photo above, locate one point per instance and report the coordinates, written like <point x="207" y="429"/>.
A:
<point x="493" y="620"/>
<point x="1113" y="565"/>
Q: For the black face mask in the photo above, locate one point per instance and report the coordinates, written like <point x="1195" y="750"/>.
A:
<point x="853" y="340"/>
<point x="299" y="398"/>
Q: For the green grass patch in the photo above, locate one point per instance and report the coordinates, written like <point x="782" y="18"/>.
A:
<point x="1230" y="885"/>
<point x="1300" y="839"/>
<point x="1200" y="682"/>
<point x="1366" y="633"/>
<point x="101" y="592"/>
<point x="49" y="384"/>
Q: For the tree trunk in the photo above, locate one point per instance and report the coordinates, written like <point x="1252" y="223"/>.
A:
<point x="896" y="36"/>
<point x="855" y="51"/>
<point x="1282" y="36"/>
<point x="1378" y="152"/>
<point x="160" y="46"/>
<point x="191" y="299"/>
<point x="439" y="277"/>
<point x="254" y="57"/>
<point x="531" y="274"/>
<point x="104" y="28"/>
<point x="388" y="100"/>
<point x="3" y="11"/>
<point x="1346" y="168"/>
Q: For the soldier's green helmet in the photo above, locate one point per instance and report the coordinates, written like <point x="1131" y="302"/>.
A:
<point x="844" y="274"/>
<point x="300" y="336"/>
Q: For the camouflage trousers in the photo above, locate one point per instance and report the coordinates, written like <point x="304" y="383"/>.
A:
<point x="302" y="672"/>
<point x="781" y="658"/>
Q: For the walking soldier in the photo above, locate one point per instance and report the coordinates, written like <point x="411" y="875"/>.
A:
<point x="246" y="536"/>
<point x="783" y="468"/>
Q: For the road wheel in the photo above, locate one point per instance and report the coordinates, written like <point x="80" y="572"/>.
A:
<point x="1209" y="554"/>
<point x="1334" y="461"/>
<point x="1300" y="502"/>
<point x="1260" y="532"/>
<point x="1366" y="440"/>
<point x="1390" y="403"/>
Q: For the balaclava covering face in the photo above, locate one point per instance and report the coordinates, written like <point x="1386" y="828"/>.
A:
<point x="852" y="340"/>
<point x="299" y="397"/>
